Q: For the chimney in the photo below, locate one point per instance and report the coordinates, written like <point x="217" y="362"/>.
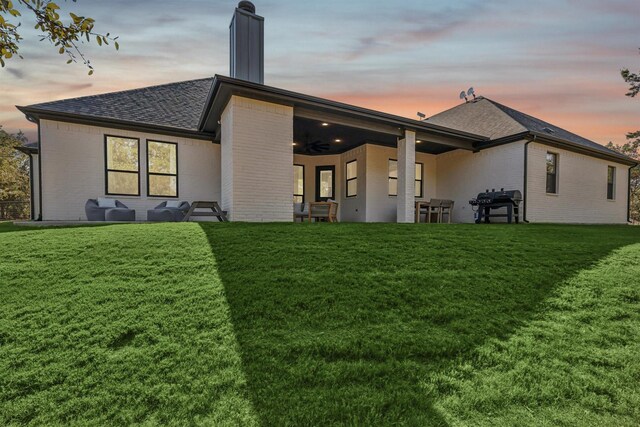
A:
<point x="247" y="44"/>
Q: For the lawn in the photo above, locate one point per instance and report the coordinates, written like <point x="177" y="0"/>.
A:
<point x="320" y="324"/>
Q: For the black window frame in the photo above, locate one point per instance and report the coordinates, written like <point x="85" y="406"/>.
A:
<point x="347" y="179"/>
<point x="421" y="180"/>
<point x="391" y="177"/>
<point x="303" y="183"/>
<point x="107" y="170"/>
<point x="149" y="173"/>
<point x="554" y="174"/>
<point x="611" y="186"/>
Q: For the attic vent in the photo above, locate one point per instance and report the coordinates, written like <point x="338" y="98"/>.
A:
<point x="548" y="130"/>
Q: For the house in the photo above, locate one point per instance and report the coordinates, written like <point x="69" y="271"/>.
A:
<point x="256" y="149"/>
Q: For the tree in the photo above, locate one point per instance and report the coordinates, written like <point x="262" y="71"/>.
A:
<point x="14" y="176"/>
<point x="65" y="37"/>
<point x="632" y="147"/>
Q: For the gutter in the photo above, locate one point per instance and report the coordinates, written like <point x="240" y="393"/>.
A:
<point x="526" y="173"/>
<point x="35" y="114"/>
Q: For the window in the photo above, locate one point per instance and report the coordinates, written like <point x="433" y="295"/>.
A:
<point x="611" y="182"/>
<point x="393" y="178"/>
<point x="298" y="183"/>
<point x="122" y="166"/>
<point x="418" y="187"/>
<point x="162" y="169"/>
<point x="352" y="178"/>
<point x="552" y="173"/>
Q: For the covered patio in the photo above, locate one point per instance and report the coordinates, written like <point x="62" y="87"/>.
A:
<point x="374" y="165"/>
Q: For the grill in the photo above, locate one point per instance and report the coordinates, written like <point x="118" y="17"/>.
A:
<point x="488" y="201"/>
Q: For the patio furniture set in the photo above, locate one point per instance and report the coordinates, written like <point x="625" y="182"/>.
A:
<point x="111" y="210"/>
<point x="436" y="209"/>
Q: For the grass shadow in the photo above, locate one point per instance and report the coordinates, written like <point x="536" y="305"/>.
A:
<point x="348" y="323"/>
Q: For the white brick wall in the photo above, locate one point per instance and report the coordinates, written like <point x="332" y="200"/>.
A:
<point x="582" y="189"/>
<point x="73" y="169"/>
<point x="463" y="174"/>
<point x="257" y="160"/>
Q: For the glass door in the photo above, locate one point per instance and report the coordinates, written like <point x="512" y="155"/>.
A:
<point x="325" y="183"/>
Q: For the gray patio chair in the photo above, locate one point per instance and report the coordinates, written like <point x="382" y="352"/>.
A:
<point x="300" y="210"/>
<point x="120" y="213"/>
<point x="168" y="214"/>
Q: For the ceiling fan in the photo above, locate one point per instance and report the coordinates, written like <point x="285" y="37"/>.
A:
<point x="314" y="147"/>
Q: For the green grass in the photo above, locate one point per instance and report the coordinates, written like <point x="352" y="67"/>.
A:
<point x="320" y="324"/>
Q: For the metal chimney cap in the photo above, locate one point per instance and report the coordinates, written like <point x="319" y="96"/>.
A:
<point x="248" y="6"/>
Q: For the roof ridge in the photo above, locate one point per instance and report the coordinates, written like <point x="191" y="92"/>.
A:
<point x="122" y="91"/>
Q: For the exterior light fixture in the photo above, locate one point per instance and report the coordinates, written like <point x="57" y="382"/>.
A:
<point x="294" y="144"/>
<point x="418" y="142"/>
<point x="325" y="124"/>
<point x="337" y="140"/>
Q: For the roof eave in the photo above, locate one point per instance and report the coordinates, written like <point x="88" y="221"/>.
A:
<point x="35" y="114"/>
<point x="215" y="104"/>
<point x="562" y="143"/>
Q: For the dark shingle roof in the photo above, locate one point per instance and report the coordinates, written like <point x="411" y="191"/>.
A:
<point x="540" y="126"/>
<point x="176" y="105"/>
<point x="497" y="121"/>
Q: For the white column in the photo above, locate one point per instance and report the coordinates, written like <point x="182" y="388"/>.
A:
<point x="257" y="160"/>
<point x="406" y="177"/>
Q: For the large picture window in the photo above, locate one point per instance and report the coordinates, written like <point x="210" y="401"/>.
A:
<point x="352" y="178"/>
<point x="162" y="169"/>
<point x="393" y="178"/>
<point x="298" y="183"/>
<point x="611" y="183"/>
<point x="552" y="173"/>
<point x="122" y="166"/>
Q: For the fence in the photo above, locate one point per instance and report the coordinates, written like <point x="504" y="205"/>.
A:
<point x="15" y="209"/>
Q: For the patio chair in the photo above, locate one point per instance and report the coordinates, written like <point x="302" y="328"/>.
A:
<point x="300" y="210"/>
<point x="323" y="211"/>
<point x="446" y="208"/>
<point x="104" y="209"/>
<point x="173" y="211"/>
<point x="434" y="208"/>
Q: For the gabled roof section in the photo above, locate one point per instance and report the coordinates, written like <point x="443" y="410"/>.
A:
<point x="174" y="105"/>
<point x="496" y="121"/>
<point x="481" y="117"/>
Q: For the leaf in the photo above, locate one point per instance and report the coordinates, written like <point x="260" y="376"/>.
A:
<point x="90" y="72"/>
<point x="69" y="61"/>
<point x="99" y="40"/>
<point x="117" y="46"/>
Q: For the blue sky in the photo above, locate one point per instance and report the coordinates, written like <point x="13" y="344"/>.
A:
<point x="557" y="60"/>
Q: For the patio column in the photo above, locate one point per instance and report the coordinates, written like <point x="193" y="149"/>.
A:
<point x="257" y="160"/>
<point x="406" y="177"/>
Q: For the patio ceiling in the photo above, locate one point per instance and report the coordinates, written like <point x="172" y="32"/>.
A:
<point x="313" y="137"/>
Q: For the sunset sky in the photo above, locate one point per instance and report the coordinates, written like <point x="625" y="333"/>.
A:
<point x="556" y="60"/>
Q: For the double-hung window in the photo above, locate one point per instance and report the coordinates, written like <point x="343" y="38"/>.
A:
<point x="122" y="171"/>
<point x="162" y="169"/>
<point x="352" y="178"/>
<point x="552" y="173"/>
<point x="393" y="178"/>
<point x="611" y="183"/>
<point x="298" y="183"/>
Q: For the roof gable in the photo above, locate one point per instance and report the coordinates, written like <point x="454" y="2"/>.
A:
<point x="479" y="116"/>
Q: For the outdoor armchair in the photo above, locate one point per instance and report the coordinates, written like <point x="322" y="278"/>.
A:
<point x="162" y="212"/>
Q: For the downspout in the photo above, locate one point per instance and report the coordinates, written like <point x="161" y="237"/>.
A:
<point x="32" y="214"/>
<point x="524" y="187"/>
<point x="629" y="193"/>
<point x="39" y="174"/>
